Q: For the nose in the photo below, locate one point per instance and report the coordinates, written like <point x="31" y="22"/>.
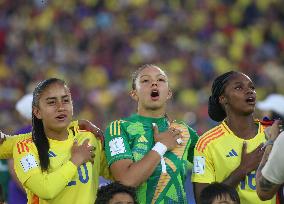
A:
<point x="154" y="82"/>
<point x="250" y="90"/>
<point x="60" y="106"/>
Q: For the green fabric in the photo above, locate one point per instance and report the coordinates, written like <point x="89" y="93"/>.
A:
<point x="132" y="138"/>
<point x="4" y="177"/>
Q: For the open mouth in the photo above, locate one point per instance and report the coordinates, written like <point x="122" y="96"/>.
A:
<point x="250" y="100"/>
<point x="155" y="95"/>
<point x="61" y="117"/>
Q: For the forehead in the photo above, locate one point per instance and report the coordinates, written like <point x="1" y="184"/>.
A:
<point x="151" y="71"/>
<point x="55" y="89"/>
<point x="121" y="198"/>
<point x="239" y="78"/>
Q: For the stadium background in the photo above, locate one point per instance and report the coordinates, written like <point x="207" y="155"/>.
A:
<point x="95" y="45"/>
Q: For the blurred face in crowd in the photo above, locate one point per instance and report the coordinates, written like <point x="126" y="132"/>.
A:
<point x="121" y="198"/>
<point x="239" y="95"/>
<point x="152" y="90"/>
<point x="55" y="107"/>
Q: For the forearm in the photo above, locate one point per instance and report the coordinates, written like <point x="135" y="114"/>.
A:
<point x="135" y="173"/>
<point x="235" y="177"/>
<point x="265" y="189"/>
<point x="48" y="185"/>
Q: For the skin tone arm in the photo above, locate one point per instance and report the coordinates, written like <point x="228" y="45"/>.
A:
<point x="134" y="173"/>
<point x="264" y="188"/>
<point x="249" y="162"/>
<point x="87" y="125"/>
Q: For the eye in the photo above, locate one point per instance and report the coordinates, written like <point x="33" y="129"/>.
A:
<point x="66" y="100"/>
<point x="238" y="87"/>
<point x="144" y="80"/>
<point x="162" y="79"/>
<point x="51" y="102"/>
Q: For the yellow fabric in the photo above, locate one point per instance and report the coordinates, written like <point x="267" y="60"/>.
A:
<point x="218" y="152"/>
<point x="63" y="182"/>
<point x="6" y="148"/>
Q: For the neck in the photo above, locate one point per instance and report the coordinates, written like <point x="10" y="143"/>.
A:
<point x="242" y="126"/>
<point x="57" y="134"/>
<point x="151" y="113"/>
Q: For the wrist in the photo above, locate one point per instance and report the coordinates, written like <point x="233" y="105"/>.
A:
<point x="160" y="148"/>
<point x="269" y="142"/>
<point x="76" y="163"/>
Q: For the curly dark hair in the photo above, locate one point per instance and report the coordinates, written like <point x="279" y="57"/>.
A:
<point x="106" y="193"/>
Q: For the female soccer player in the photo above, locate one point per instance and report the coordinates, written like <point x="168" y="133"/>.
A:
<point x="230" y="152"/>
<point x="49" y="163"/>
<point x="146" y="150"/>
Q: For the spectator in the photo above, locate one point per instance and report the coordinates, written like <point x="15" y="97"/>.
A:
<point x="217" y="193"/>
<point x="230" y="152"/>
<point x="272" y="106"/>
<point x="147" y="150"/>
<point x="116" y="193"/>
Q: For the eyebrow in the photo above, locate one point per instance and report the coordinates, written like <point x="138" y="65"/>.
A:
<point x="53" y="98"/>
<point x="146" y="75"/>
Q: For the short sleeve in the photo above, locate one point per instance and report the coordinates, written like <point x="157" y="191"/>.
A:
<point x="117" y="143"/>
<point x="273" y="169"/>
<point x="203" y="168"/>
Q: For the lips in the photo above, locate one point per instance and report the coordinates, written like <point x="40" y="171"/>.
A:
<point x="61" y="117"/>
<point x="155" y="94"/>
<point x="250" y="100"/>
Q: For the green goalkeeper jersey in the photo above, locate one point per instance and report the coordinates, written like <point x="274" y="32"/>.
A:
<point x="132" y="138"/>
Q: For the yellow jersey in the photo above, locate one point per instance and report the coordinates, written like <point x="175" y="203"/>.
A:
<point x="63" y="182"/>
<point x="218" y="152"/>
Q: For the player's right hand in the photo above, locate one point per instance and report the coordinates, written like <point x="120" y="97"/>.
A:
<point x="81" y="154"/>
<point x="168" y="138"/>
<point x="250" y="161"/>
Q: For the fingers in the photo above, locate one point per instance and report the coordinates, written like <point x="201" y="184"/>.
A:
<point x="86" y="142"/>
<point x="244" y="149"/>
<point x="155" y="129"/>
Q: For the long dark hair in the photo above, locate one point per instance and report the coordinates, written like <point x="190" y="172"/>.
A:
<point x="215" y="109"/>
<point x="38" y="134"/>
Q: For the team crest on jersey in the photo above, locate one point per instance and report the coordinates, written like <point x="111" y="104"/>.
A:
<point x="136" y="129"/>
<point x="28" y="162"/>
<point x="117" y="146"/>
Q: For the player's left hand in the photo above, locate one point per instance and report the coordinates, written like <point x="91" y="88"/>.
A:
<point x="271" y="133"/>
<point x="87" y="125"/>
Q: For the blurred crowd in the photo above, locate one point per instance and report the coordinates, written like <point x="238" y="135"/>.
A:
<point x="95" y="45"/>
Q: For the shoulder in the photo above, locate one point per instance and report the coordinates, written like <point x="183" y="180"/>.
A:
<point x="24" y="145"/>
<point x="210" y="137"/>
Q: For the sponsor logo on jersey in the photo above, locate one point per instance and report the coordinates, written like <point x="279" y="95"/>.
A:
<point x="232" y="153"/>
